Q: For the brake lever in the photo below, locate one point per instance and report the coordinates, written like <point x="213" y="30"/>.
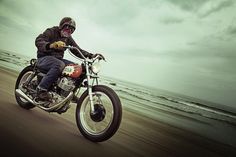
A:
<point x="101" y="57"/>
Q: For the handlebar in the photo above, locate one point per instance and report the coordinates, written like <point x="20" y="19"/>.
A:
<point x="72" y="47"/>
<point x="97" y="56"/>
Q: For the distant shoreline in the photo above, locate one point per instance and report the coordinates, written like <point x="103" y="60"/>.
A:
<point x="166" y="95"/>
<point x="16" y="62"/>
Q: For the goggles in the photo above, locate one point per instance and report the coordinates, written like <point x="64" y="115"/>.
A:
<point x="69" y="27"/>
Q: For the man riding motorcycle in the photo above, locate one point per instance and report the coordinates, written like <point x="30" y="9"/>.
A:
<point x="51" y="86"/>
<point x="50" y="45"/>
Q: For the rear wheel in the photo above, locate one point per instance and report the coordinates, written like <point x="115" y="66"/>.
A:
<point x="103" y="124"/>
<point x="22" y="78"/>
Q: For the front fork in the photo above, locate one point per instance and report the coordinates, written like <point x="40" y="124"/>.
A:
<point x="90" y="92"/>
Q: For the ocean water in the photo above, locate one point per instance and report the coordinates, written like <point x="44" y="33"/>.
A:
<point x="155" y="99"/>
<point x="208" y="119"/>
<point x="12" y="60"/>
<point x="201" y="116"/>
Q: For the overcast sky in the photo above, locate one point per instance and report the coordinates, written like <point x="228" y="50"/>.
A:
<point x="185" y="46"/>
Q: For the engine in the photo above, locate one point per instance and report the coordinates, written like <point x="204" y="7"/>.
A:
<point x="66" y="84"/>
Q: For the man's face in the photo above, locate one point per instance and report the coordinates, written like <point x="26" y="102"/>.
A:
<point x="66" y="31"/>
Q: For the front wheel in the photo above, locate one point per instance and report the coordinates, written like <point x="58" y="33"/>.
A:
<point x="103" y="124"/>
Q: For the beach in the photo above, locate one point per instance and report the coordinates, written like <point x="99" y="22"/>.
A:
<point x="163" y="132"/>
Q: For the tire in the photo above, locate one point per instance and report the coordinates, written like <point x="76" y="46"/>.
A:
<point x="23" y="103"/>
<point x="116" y="114"/>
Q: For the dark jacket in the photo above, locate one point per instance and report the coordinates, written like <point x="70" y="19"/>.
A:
<point x="51" y="35"/>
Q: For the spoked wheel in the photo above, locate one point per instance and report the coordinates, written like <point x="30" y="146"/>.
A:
<point x="22" y="78"/>
<point x="105" y="121"/>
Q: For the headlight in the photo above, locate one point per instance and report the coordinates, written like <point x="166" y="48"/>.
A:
<point x="96" y="67"/>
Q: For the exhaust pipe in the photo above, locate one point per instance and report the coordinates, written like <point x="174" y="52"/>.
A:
<point x="57" y="106"/>
<point x="23" y="95"/>
<point x="20" y="93"/>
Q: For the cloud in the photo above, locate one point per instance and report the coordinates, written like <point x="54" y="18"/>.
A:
<point x="226" y="34"/>
<point x="213" y="7"/>
<point x="113" y="13"/>
<point x="7" y="24"/>
<point x="188" y="5"/>
<point x="202" y="8"/>
<point x="231" y="29"/>
<point x="171" y="20"/>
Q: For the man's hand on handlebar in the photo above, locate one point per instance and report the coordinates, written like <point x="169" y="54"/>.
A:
<point x="57" y="45"/>
<point x="100" y="56"/>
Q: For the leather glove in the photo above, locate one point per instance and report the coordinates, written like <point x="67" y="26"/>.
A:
<point x="57" y="45"/>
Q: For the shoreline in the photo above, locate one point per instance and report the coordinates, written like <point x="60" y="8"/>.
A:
<point x="17" y="61"/>
<point x="168" y="95"/>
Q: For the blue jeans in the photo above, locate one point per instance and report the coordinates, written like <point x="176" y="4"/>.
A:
<point x="54" y="68"/>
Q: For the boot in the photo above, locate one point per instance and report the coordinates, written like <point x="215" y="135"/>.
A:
<point x="43" y="94"/>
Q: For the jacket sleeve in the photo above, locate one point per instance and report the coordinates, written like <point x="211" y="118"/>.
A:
<point x="75" y="52"/>
<point x="42" y="41"/>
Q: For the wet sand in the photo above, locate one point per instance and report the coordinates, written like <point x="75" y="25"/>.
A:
<point x="38" y="133"/>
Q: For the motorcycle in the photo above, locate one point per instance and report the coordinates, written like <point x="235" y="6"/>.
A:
<point x="98" y="111"/>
